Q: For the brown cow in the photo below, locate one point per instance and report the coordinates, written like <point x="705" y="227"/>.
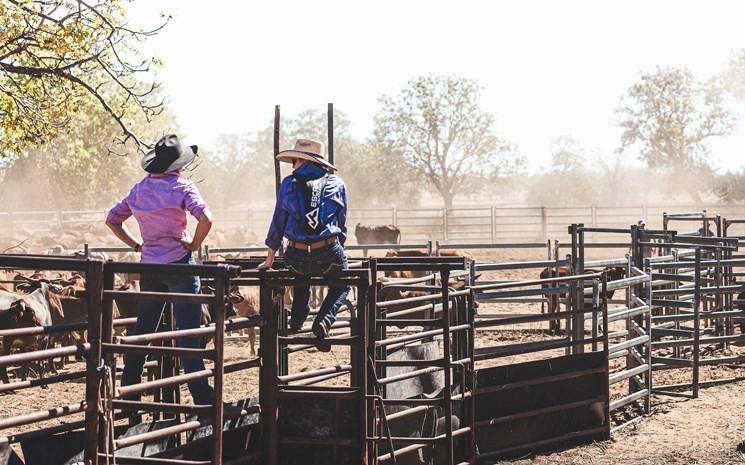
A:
<point x="739" y="304"/>
<point x="613" y="274"/>
<point x="421" y="253"/>
<point x="245" y="300"/>
<point x="392" y="293"/>
<point x="387" y="234"/>
<point x="39" y="308"/>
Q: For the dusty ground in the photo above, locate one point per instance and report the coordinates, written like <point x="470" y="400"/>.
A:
<point x="681" y="430"/>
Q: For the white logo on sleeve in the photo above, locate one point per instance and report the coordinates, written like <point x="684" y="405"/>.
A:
<point x="312" y="218"/>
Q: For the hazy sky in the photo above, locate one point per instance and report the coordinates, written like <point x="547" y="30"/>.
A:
<point x="549" y="67"/>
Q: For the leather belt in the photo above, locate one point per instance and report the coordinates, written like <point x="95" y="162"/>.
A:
<point x="313" y="245"/>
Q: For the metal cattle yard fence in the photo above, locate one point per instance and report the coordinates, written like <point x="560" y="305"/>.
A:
<point x="441" y="357"/>
<point x="466" y="224"/>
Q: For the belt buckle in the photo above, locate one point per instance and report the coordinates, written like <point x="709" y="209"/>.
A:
<point x="309" y="247"/>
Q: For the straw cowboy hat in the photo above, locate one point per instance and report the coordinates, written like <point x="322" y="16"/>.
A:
<point x="306" y="149"/>
<point x="168" y="155"/>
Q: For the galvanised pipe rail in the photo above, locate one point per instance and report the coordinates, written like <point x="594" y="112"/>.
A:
<point x="573" y="278"/>
<point x="521" y="265"/>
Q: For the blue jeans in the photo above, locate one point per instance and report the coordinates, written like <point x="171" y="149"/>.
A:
<point x="187" y="316"/>
<point x="317" y="262"/>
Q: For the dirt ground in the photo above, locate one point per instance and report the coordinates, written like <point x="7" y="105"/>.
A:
<point x="680" y="430"/>
<point x="683" y="431"/>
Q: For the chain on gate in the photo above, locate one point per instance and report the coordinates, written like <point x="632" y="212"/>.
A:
<point x="106" y="409"/>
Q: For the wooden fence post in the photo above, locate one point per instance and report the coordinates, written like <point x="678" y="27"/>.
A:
<point x="544" y="226"/>
<point x="594" y="219"/>
<point x="493" y="224"/>
<point x="445" y="224"/>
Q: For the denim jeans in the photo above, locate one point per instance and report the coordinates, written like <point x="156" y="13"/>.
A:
<point x="317" y="262"/>
<point x="187" y="316"/>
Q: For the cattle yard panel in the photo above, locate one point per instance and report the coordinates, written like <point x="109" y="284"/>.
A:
<point x="90" y="350"/>
<point x="422" y="223"/>
<point x="693" y="304"/>
<point x="632" y="344"/>
<point x="200" y="416"/>
<point x="470" y="224"/>
<point x="492" y="223"/>
<point x="525" y="406"/>
<point x="583" y="296"/>
<point x="550" y="301"/>
<point x="440" y="313"/>
<point x="289" y="399"/>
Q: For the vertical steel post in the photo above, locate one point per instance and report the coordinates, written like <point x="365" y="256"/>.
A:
<point x="372" y="354"/>
<point x="629" y="334"/>
<point x="648" y="346"/>
<point x="471" y="317"/>
<point x="107" y="334"/>
<point x="331" y="132"/>
<point x="93" y="426"/>
<point x="359" y="355"/>
<point x="578" y="254"/>
<point x="444" y="278"/>
<point x="604" y="309"/>
<point x="696" y="322"/>
<point x="595" y="305"/>
<point x="221" y="295"/>
<point x="268" y="379"/>
<point x="277" y="175"/>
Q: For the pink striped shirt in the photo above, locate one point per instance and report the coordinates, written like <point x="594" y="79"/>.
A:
<point x="159" y="204"/>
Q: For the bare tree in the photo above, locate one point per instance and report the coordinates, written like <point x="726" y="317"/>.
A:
<point x="437" y="124"/>
<point x="56" y="53"/>
<point x="670" y="116"/>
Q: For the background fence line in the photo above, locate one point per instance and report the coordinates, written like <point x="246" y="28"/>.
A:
<point x="464" y="224"/>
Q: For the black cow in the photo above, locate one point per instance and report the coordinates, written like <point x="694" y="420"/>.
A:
<point x="387" y="234"/>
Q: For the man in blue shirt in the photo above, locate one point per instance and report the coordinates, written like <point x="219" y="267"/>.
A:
<point x="311" y="212"/>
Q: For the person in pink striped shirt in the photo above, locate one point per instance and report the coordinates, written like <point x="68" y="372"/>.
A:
<point x="159" y="203"/>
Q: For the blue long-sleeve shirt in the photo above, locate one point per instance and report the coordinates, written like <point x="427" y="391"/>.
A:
<point x="287" y="218"/>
